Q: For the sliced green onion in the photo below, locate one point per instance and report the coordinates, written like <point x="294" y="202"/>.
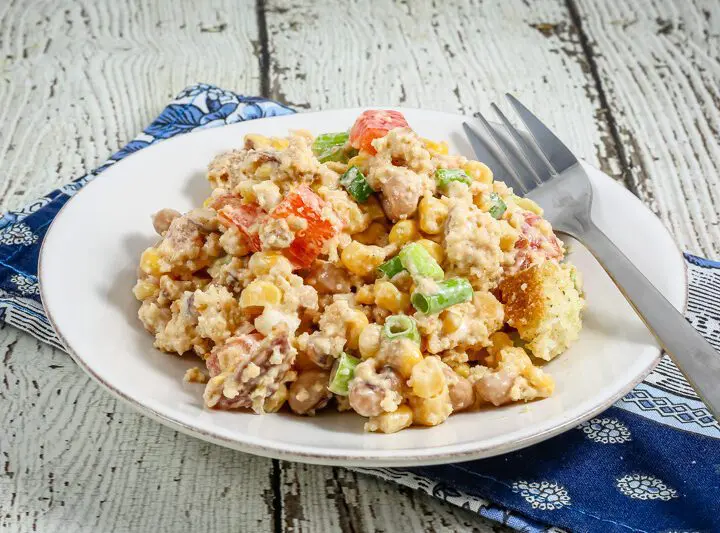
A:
<point x="391" y="267"/>
<point x="401" y="327"/>
<point x="356" y="185"/>
<point x="418" y="261"/>
<point x="330" y="147"/>
<point x="449" y="292"/>
<point x="497" y="206"/>
<point x="443" y="177"/>
<point x="342" y="372"/>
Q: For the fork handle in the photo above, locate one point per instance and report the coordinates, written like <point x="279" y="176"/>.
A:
<point x="695" y="357"/>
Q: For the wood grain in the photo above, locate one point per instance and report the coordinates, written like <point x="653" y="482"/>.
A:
<point x="659" y="63"/>
<point x="80" y="79"/>
<point x="75" y="459"/>
<point x="457" y="58"/>
<point x="318" y="498"/>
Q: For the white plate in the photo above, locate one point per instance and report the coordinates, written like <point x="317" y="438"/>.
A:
<point x="87" y="270"/>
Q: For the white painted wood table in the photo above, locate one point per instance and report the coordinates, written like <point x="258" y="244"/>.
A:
<point x="631" y="86"/>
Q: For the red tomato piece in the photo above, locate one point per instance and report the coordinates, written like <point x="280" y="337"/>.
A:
<point x="373" y="124"/>
<point x="308" y="243"/>
<point x="247" y="217"/>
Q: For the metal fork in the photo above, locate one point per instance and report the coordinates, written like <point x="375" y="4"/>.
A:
<point x="544" y="170"/>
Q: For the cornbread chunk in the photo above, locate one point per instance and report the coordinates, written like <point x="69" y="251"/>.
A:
<point x="544" y="303"/>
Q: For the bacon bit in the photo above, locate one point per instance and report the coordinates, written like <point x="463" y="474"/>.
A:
<point x="531" y="239"/>
<point x="246" y="343"/>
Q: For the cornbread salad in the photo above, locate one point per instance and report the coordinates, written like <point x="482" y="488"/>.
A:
<point x="366" y="270"/>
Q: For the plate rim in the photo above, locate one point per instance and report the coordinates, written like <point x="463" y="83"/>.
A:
<point x="363" y="458"/>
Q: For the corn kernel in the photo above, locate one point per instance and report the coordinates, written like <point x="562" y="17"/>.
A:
<point x="527" y="203"/>
<point x="399" y="419"/>
<point x="451" y="321"/>
<point x="404" y="231"/>
<point x="145" y="289"/>
<point x="369" y="341"/>
<point x="433" y="213"/>
<point x="427" y="378"/>
<point x="336" y="166"/>
<point x="353" y="217"/>
<point x="373" y="235"/>
<point x="361" y="161"/>
<point x="263" y="262"/>
<point x="431" y="411"/>
<point x="487" y="305"/>
<point x="264" y="171"/>
<point x="279" y="143"/>
<point x="245" y="189"/>
<point x="508" y="239"/>
<point x="261" y="294"/>
<point x="478" y="171"/>
<point x="434" y="249"/>
<point x="361" y="259"/>
<point x="462" y="369"/>
<point x="373" y="208"/>
<point x="436" y="148"/>
<point x="150" y="262"/>
<point x="387" y="296"/>
<point x="355" y="326"/>
<point x="277" y="400"/>
<point x="255" y="141"/>
<point x="365" y="295"/>
<point x="500" y="340"/>
<point x="406" y="355"/>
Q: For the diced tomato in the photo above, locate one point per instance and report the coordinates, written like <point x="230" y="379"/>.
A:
<point x="308" y="243"/>
<point x="373" y="124"/>
<point x="247" y="217"/>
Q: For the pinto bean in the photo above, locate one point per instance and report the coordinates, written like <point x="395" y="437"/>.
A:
<point x="328" y="278"/>
<point x="462" y="394"/>
<point x="309" y="392"/>
<point x="400" y="194"/>
<point x="495" y="387"/>
<point x="369" y="390"/>
<point x="461" y="390"/>
<point x="163" y="218"/>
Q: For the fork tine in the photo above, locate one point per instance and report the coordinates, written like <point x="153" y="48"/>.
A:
<point x="489" y="154"/>
<point x="559" y="156"/>
<point x="522" y="175"/>
<point x="536" y="165"/>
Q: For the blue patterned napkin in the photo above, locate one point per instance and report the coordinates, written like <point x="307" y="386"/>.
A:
<point x="649" y="463"/>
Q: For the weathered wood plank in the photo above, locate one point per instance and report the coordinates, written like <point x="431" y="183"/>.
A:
<point x="318" y="498"/>
<point x="658" y="61"/>
<point x="458" y="57"/>
<point x="79" y="79"/>
<point x="72" y="458"/>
